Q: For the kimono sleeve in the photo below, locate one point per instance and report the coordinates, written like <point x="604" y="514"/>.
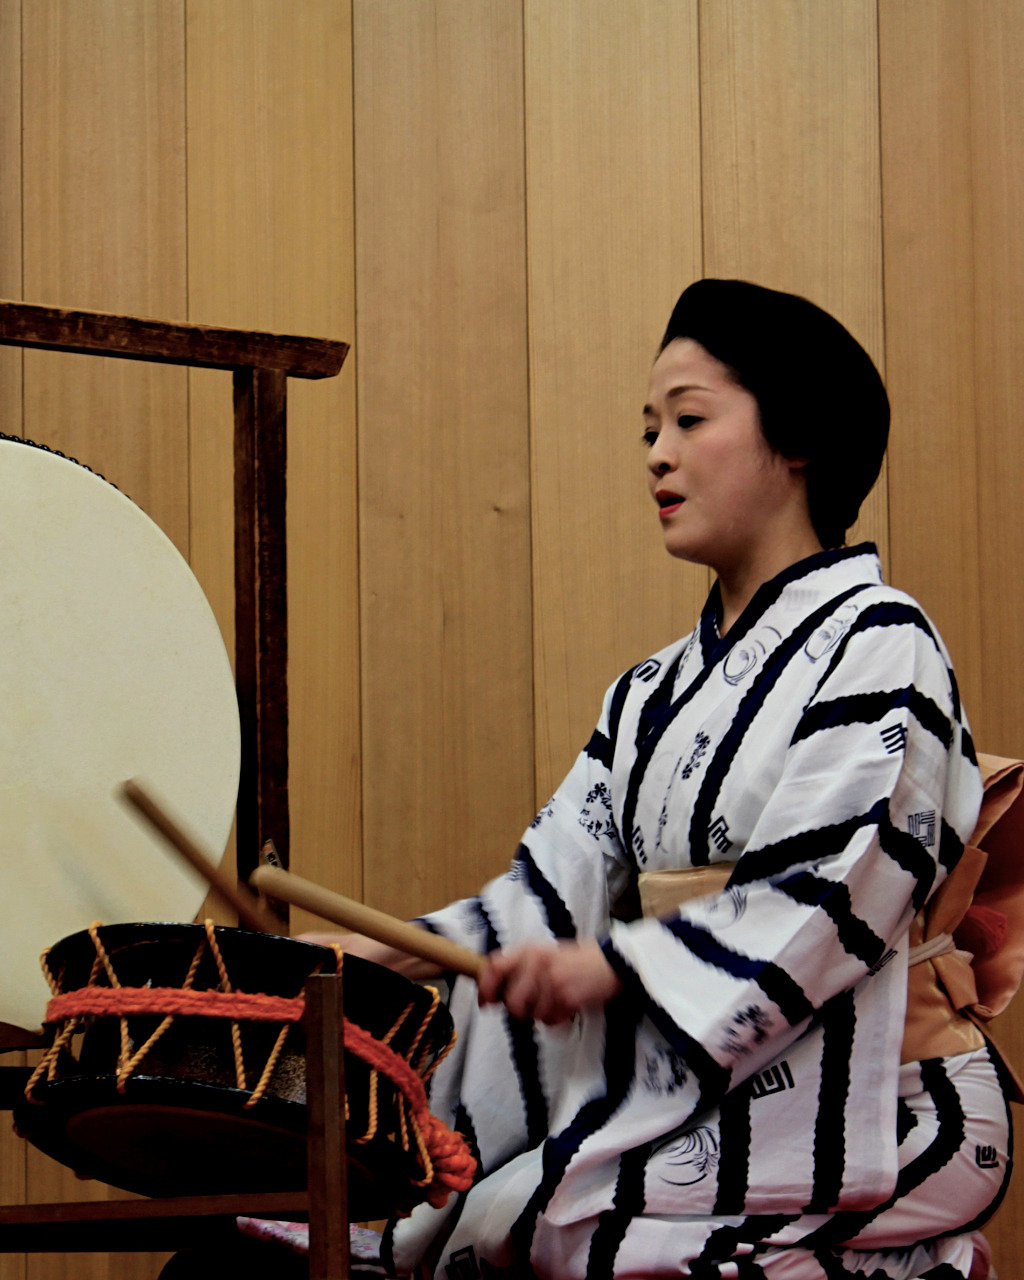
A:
<point x="878" y="790"/>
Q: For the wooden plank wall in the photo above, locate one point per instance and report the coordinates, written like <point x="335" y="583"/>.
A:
<point x="444" y="444"/>
<point x="613" y="220"/>
<point x="498" y="204"/>
<point x="953" y="178"/>
<point x="792" y="171"/>
<point x="164" y="163"/>
<point x="102" y="159"/>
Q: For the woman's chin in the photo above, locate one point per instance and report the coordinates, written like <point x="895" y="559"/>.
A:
<point x="688" y="553"/>
<point x="682" y="545"/>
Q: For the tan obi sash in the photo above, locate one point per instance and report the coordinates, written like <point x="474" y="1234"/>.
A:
<point x="662" y="892"/>
<point x="967" y="944"/>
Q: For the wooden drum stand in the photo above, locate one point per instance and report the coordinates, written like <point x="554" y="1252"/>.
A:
<point x="206" y="1222"/>
<point x="262" y="364"/>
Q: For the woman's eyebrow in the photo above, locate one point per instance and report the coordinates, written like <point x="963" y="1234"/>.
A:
<point x="681" y="391"/>
<point x="675" y="392"/>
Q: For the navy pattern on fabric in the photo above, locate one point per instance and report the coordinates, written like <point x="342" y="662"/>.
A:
<point x="739" y="1109"/>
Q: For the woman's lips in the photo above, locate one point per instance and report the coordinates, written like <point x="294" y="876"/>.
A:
<point x="668" y="504"/>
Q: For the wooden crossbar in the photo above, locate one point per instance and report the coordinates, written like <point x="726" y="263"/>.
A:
<point x="24" y="324"/>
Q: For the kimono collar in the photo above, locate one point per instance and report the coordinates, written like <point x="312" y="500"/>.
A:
<point x="806" y="584"/>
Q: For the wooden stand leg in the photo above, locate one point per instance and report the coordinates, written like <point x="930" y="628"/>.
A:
<point x="261" y="611"/>
<point x="246" y="625"/>
<point x="272" y="547"/>
<point x="325" y="1101"/>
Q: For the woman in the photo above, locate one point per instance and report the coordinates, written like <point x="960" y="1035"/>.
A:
<point x="719" y="1092"/>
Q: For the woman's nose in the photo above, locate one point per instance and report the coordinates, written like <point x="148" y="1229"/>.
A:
<point x="659" y="459"/>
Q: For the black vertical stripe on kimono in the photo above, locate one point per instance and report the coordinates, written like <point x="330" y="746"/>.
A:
<point x="742" y="1091"/>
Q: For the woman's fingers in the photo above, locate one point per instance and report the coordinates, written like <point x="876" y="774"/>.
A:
<point x="491" y="982"/>
<point x="549" y="984"/>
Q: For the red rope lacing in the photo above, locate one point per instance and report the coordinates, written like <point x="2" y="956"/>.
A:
<point x="122" y="1001"/>
<point x="444" y="1155"/>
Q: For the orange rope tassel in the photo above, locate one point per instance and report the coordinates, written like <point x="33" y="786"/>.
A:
<point x="449" y="1164"/>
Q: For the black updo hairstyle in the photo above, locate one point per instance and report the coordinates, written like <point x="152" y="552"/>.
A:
<point x="820" y="397"/>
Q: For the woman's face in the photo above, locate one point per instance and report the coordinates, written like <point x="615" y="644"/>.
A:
<point x="726" y="498"/>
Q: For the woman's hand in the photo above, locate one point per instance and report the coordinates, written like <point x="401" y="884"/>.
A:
<point x="548" y="984"/>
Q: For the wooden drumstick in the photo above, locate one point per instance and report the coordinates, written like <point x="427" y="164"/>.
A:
<point x="366" y="920"/>
<point x="250" y="910"/>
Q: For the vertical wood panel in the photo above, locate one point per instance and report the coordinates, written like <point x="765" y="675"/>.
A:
<point x="613" y="186"/>
<point x="270" y="246"/>
<point x="10" y="203"/>
<point x="104" y="148"/>
<point x="926" y="146"/>
<point x="997" y="180"/>
<point x="104" y="228"/>
<point x="954" y="266"/>
<point x="791" y="164"/>
<point x="954" y="182"/>
<point x="443" y="446"/>
<point x="12" y="1148"/>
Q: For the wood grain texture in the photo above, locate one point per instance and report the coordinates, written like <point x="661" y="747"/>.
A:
<point x="994" y="313"/>
<point x="104" y="228"/>
<point x="12" y="1148"/>
<point x="327" y="1157"/>
<point x="271" y="245"/>
<point x="27" y="324"/>
<point x="997" y="179"/>
<point x="48" y="1181"/>
<point x="104" y="218"/>
<point x="10" y="204"/>
<point x="791" y="164"/>
<point x="613" y="187"/>
<point x="929" y="267"/>
<point x="13" y="1171"/>
<point x="953" y="182"/>
<point x="445" y="601"/>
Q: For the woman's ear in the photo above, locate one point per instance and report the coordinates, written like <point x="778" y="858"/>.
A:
<point x="797" y="464"/>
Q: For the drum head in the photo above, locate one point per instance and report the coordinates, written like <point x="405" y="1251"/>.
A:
<point x="113" y="667"/>
<point x="163" y="1138"/>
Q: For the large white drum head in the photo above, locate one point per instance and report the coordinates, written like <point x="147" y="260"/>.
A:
<point x="111" y="667"/>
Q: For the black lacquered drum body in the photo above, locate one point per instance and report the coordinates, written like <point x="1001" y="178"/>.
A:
<point x="180" y="1124"/>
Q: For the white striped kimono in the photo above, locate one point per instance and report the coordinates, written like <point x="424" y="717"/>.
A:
<point x="739" y="1110"/>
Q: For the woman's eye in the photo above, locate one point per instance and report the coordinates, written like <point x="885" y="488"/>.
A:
<point x="687" y="421"/>
<point x="649" y="437"/>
